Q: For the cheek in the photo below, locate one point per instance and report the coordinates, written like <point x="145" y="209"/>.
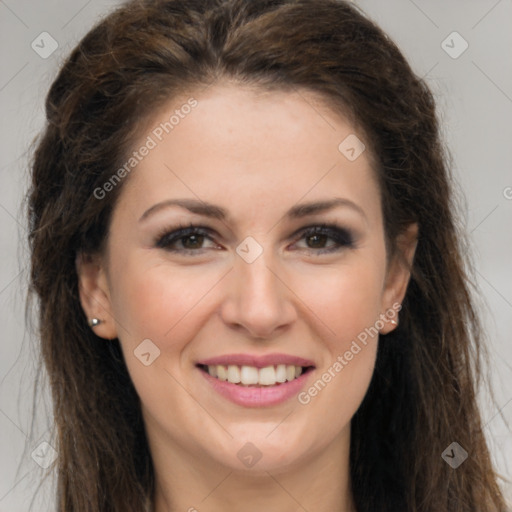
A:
<point x="157" y="300"/>
<point x="346" y="299"/>
<point x="347" y="302"/>
<point x="168" y="304"/>
<point x="160" y="304"/>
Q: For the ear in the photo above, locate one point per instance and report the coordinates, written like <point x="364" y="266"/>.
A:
<point x="398" y="275"/>
<point x="94" y="294"/>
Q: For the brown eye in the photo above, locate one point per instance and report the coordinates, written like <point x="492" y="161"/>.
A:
<point x="317" y="241"/>
<point x="317" y="238"/>
<point x="191" y="239"/>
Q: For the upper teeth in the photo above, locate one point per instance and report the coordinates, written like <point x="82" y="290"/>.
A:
<point x="247" y="375"/>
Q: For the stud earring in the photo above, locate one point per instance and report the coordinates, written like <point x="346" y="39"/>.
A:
<point x="93" y="322"/>
<point x="394" y="322"/>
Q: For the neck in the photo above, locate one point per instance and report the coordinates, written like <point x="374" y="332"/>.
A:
<point x="319" y="482"/>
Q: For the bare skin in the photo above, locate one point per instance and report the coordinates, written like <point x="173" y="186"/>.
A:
<point x="256" y="156"/>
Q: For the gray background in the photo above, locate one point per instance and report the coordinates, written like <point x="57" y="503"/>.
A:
<point x="474" y="93"/>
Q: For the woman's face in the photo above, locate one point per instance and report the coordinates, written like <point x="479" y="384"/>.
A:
<point x="254" y="289"/>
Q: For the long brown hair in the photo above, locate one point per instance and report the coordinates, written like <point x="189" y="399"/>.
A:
<point x="423" y="393"/>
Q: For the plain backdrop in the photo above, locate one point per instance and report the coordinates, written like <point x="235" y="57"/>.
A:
<point x="470" y="73"/>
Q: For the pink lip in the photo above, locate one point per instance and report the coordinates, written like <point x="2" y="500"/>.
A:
<point x="256" y="361"/>
<point x="257" y="396"/>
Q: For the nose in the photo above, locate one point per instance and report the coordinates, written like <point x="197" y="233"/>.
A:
<point x="258" y="300"/>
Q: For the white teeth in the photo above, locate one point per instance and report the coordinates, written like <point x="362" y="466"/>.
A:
<point x="281" y="373"/>
<point x="222" y="373"/>
<point x="234" y="374"/>
<point x="267" y="376"/>
<point x="250" y="375"/>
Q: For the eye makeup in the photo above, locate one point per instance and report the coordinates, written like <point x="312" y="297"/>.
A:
<point x="317" y="234"/>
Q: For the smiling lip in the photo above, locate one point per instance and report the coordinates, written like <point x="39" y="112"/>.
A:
<point x="257" y="396"/>
<point x="256" y="361"/>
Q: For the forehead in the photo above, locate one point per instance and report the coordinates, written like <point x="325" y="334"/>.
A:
<point x="232" y="144"/>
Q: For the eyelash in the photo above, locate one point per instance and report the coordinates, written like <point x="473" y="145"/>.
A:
<point x="342" y="236"/>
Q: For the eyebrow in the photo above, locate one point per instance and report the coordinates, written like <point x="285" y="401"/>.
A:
<point x="216" y="212"/>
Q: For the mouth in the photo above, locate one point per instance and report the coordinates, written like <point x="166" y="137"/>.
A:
<point x="253" y="376"/>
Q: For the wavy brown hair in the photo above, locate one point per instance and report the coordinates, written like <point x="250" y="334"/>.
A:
<point x="423" y="393"/>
